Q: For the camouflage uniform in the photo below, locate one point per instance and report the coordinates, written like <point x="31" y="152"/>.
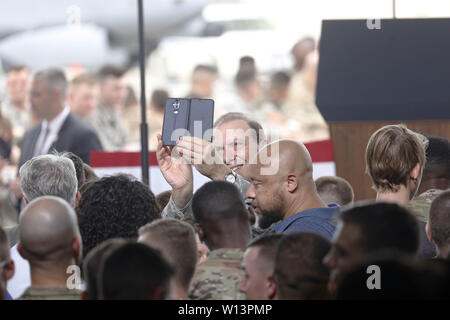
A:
<point x="219" y="276"/>
<point x="20" y="119"/>
<point x="420" y="205"/>
<point x="8" y="217"/>
<point x="107" y="123"/>
<point x="50" y="293"/>
<point x="171" y="210"/>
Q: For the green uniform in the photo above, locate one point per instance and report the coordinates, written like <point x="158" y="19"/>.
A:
<point x="50" y="293"/>
<point x="420" y="205"/>
<point x="108" y="124"/>
<point x="219" y="276"/>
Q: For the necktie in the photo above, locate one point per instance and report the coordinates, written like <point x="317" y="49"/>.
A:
<point x="41" y="150"/>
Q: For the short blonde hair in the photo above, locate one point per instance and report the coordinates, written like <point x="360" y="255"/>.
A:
<point x="392" y="152"/>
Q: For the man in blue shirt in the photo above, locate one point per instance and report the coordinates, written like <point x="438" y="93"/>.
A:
<point x="282" y="188"/>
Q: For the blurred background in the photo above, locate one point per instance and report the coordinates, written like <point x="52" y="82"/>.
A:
<point x="259" y="57"/>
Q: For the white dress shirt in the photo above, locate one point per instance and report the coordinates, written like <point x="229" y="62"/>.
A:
<point x="42" y="146"/>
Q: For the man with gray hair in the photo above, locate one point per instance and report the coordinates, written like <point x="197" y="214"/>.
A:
<point x="45" y="175"/>
<point x="50" y="240"/>
<point x="49" y="175"/>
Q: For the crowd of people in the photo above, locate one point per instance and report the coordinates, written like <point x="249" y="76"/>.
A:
<point x="244" y="235"/>
<point x="106" y="101"/>
<point x="262" y="229"/>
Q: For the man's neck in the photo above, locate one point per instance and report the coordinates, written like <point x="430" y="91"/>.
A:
<point x="48" y="277"/>
<point x="51" y="117"/>
<point x="302" y="202"/>
<point x="229" y="234"/>
<point x="231" y="241"/>
<point x="400" y="197"/>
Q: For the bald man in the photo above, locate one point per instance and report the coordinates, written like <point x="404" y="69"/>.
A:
<point x="50" y="240"/>
<point x="282" y="189"/>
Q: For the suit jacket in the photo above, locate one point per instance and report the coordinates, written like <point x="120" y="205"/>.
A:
<point x="75" y="135"/>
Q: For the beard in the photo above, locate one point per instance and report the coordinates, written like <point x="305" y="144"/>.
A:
<point x="268" y="219"/>
<point x="272" y="214"/>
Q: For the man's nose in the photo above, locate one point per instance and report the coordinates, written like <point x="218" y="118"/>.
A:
<point x="250" y="192"/>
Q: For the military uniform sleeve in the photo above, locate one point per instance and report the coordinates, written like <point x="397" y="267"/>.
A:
<point x="172" y="211"/>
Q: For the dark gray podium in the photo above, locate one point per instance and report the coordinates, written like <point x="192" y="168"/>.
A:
<point x="368" y="78"/>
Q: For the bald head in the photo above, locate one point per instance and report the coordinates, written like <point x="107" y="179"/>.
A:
<point x="281" y="181"/>
<point x="285" y="157"/>
<point x="47" y="229"/>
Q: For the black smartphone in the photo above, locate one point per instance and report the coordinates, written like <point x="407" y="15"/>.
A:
<point x="187" y="117"/>
<point x="176" y="120"/>
<point x="201" y="118"/>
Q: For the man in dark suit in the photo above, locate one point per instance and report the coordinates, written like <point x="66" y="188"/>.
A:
<point x="59" y="129"/>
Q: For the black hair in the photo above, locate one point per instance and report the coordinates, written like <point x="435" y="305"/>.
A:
<point x="91" y="265"/>
<point x="299" y="270"/>
<point x="438" y="155"/>
<point x="384" y="226"/>
<point x="112" y="207"/>
<point x="134" y="271"/>
<point x="439" y="219"/>
<point x="217" y="201"/>
<point x="400" y="278"/>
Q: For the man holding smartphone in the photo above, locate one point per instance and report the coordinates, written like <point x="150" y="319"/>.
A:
<point x="235" y="137"/>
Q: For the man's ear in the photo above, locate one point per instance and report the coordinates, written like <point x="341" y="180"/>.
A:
<point x="271" y="287"/>
<point x="76" y="249"/>
<point x="427" y="231"/>
<point x="292" y="183"/>
<point x="84" y="295"/>
<point x="415" y="172"/>
<point x="200" y="232"/>
<point x="77" y="198"/>
<point x="20" y="250"/>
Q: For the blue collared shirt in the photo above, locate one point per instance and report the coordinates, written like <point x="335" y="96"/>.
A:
<point x="319" y="220"/>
